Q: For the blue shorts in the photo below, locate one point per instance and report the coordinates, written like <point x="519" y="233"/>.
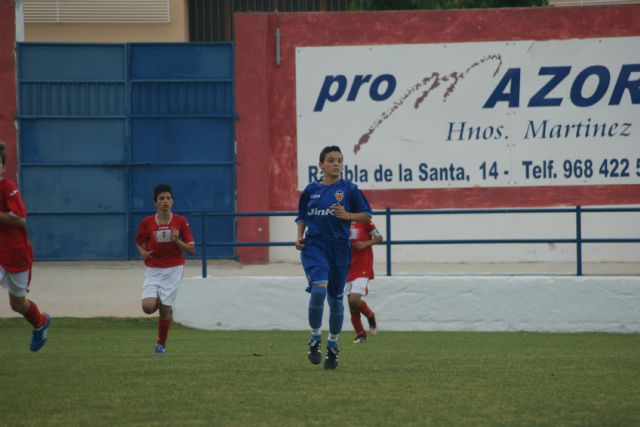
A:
<point x="327" y="261"/>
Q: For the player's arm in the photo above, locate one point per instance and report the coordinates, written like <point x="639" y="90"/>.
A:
<point x="340" y="213"/>
<point x="303" y="204"/>
<point x="189" y="248"/>
<point x="141" y="238"/>
<point x="359" y="203"/>
<point x="376" y="237"/>
<point x="300" y="235"/>
<point x="360" y="216"/>
<point x="12" y="219"/>
<point x="144" y="254"/>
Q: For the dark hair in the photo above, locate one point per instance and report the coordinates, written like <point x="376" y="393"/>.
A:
<point x="3" y="153"/>
<point x="161" y="188"/>
<point x="328" y="149"/>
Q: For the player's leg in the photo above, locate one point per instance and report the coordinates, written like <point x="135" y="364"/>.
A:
<point x="363" y="308"/>
<point x="167" y="291"/>
<point x="316" y="268"/>
<point x="17" y="285"/>
<point x="336" y="318"/>
<point x="149" y="299"/>
<point x="335" y="292"/>
<point x="358" y="288"/>
<point x="150" y="305"/>
<point x="164" y="324"/>
<point x="316" y="307"/>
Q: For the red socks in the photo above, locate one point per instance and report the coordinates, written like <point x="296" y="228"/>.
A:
<point x="364" y="309"/>
<point x="355" y="317"/>
<point x="356" y="322"/>
<point x="34" y="316"/>
<point x="163" y="330"/>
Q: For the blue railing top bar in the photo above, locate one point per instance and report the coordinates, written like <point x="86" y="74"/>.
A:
<point x="436" y="211"/>
<point x="577" y="210"/>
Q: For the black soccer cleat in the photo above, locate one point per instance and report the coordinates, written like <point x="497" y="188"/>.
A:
<point x="360" y="339"/>
<point x="331" y="361"/>
<point x="314" y="352"/>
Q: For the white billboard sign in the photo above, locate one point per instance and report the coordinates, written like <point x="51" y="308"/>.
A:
<point x="490" y="114"/>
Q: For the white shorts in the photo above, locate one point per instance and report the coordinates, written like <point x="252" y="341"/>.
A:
<point x="16" y="283"/>
<point x="358" y="286"/>
<point x="162" y="283"/>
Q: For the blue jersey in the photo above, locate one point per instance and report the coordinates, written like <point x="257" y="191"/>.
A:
<point x="315" y="209"/>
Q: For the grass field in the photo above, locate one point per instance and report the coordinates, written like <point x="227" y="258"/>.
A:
<point x="102" y="372"/>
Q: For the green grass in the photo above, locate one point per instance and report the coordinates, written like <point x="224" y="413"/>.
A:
<point x="102" y="372"/>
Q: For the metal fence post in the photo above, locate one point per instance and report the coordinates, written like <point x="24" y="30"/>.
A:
<point x="204" y="245"/>
<point x="388" y="241"/>
<point x="579" y="240"/>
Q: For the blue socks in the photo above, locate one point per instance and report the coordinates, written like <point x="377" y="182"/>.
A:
<point x="336" y="317"/>
<point x="316" y="307"/>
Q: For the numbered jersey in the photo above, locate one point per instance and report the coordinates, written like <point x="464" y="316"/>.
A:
<point x="361" y="260"/>
<point x="156" y="239"/>
<point x="15" y="250"/>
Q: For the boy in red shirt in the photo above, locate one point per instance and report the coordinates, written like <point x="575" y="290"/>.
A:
<point x="16" y="257"/>
<point x="363" y="236"/>
<point x="161" y="239"/>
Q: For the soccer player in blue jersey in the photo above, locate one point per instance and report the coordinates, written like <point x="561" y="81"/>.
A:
<point x="325" y="210"/>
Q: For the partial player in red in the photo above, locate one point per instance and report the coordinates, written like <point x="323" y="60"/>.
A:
<point x="363" y="236"/>
<point x="161" y="240"/>
<point x="16" y="257"/>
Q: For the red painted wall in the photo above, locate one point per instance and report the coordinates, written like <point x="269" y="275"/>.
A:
<point x="252" y="127"/>
<point x="265" y="96"/>
<point x="8" y="101"/>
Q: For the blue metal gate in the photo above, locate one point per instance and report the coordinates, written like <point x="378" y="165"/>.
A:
<point x="101" y="125"/>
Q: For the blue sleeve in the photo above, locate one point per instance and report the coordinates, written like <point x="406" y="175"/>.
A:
<point x="359" y="202"/>
<point x="302" y="206"/>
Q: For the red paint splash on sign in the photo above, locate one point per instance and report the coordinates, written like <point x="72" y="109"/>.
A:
<point x="433" y="81"/>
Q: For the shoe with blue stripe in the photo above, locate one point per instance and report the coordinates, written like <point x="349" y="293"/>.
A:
<point x="39" y="335"/>
<point x="160" y="348"/>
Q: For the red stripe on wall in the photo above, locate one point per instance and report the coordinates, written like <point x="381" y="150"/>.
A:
<point x="252" y="128"/>
<point x="521" y="197"/>
<point x="8" y="102"/>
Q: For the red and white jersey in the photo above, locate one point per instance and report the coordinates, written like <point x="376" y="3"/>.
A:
<point x="16" y="254"/>
<point x="361" y="260"/>
<point x="156" y="239"/>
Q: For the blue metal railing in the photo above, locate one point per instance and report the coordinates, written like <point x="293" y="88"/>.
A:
<point x="388" y="213"/>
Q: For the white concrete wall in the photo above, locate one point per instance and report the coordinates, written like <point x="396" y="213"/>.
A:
<point x="428" y="303"/>
<point x="493" y="226"/>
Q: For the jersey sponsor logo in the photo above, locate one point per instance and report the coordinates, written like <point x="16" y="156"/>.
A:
<point x="339" y="195"/>
<point x="320" y="212"/>
<point x="315" y="196"/>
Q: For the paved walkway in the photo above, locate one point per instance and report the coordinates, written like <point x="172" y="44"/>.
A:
<point x="112" y="288"/>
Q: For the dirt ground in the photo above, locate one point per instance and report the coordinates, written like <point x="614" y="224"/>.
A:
<point x="112" y="288"/>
